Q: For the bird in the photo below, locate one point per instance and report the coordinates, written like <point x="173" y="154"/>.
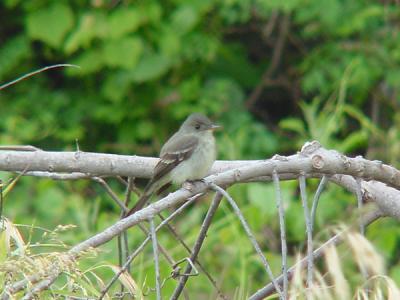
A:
<point x="187" y="156"/>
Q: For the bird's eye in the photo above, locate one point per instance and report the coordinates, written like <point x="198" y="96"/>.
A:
<point x="197" y="126"/>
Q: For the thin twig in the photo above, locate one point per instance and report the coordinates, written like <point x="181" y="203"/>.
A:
<point x="155" y="254"/>
<point x="34" y="73"/>
<point x="120" y="258"/>
<point x="252" y="239"/>
<point x="317" y="196"/>
<point x="200" y="265"/>
<point x="58" y="176"/>
<point x="125" y="209"/>
<point x="19" y="148"/>
<point x="110" y="192"/>
<point x="122" y="239"/>
<point x="282" y="227"/>
<point x="359" y="202"/>
<point x="44" y="284"/>
<point x="275" y="60"/>
<point x="128" y="193"/>
<point x="163" y="251"/>
<point x="144" y="243"/>
<point x="303" y="194"/>
<point x="199" y="242"/>
<point x="133" y="187"/>
<point x="269" y="27"/>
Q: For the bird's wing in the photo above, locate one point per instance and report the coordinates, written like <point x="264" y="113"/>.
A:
<point x="176" y="150"/>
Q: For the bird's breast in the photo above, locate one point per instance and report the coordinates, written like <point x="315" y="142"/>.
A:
<point x="200" y="162"/>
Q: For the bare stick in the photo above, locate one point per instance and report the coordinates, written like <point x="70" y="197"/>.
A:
<point x="34" y="73"/>
<point x="110" y="192"/>
<point x="270" y="288"/>
<point x="44" y="284"/>
<point x="155" y="254"/>
<point x="313" y="160"/>
<point x="144" y="243"/>
<point x="253" y="240"/>
<point x="133" y="187"/>
<point x="303" y="193"/>
<point x="19" y="148"/>
<point x="129" y="189"/>
<point x="122" y="240"/>
<point x="58" y="176"/>
<point x="359" y="203"/>
<point x="199" y="242"/>
<point x="276" y="57"/>
<point x="282" y="227"/>
<point x="200" y="265"/>
<point x="124" y="209"/>
<point x="316" y="199"/>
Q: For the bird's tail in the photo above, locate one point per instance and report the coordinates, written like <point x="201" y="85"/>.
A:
<point x="139" y="205"/>
<point x="148" y="191"/>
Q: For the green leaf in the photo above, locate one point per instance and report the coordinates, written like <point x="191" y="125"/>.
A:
<point x="89" y="62"/>
<point x="293" y="124"/>
<point x="150" y="12"/>
<point x="385" y="238"/>
<point x="116" y="85"/>
<point x="11" y="3"/>
<point x="150" y="67"/>
<point x="123" y="53"/>
<point x="233" y="60"/>
<point x="184" y="19"/>
<point x="12" y="53"/>
<point x="91" y="25"/>
<point x="394" y="273"/>
<point x="355" y="140"/>
<point x="295" y="222"/>
<point x="144" y="129"/>
<point x="263" y="197"/>
<point x="123" y="21"/>
<point x="51" y="24"/>
<point x="170" y="43"/>
<point x="49" y="196"/>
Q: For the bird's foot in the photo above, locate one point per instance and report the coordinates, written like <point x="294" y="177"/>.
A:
<point x="190" y="185"/>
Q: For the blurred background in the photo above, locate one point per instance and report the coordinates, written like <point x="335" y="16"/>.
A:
<point x="275" y="74"/>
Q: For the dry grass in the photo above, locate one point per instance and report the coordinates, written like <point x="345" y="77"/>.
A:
<point x="20" y="259"/>
<point x="334" y="283"/>
<point x="364" y="264"/>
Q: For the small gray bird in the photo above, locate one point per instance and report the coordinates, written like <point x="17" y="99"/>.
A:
<point x="187" y="155"/>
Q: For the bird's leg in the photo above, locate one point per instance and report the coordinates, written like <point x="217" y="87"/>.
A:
<point x="191" y="184"/>
<point x="188" y="185"/>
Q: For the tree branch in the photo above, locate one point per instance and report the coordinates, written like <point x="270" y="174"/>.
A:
<point x="313" y="161"/>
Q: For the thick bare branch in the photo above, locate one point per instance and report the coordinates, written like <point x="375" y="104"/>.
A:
<point x="313" y="159"/>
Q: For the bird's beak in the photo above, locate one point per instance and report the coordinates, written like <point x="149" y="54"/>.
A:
<point x="214" y="127"/>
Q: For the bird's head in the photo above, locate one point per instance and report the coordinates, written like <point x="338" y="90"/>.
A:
<point x="198" y="123"/>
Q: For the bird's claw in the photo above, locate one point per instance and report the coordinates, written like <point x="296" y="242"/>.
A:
<point x="188" y="185"/>
<point x="191" y="184"/>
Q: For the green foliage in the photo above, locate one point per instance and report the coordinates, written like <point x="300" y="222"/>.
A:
<point x="146" y="65"/>
<point x="50" y="24"/>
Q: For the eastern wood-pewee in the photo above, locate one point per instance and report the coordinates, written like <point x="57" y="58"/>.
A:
<point x="187" y="155"/>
